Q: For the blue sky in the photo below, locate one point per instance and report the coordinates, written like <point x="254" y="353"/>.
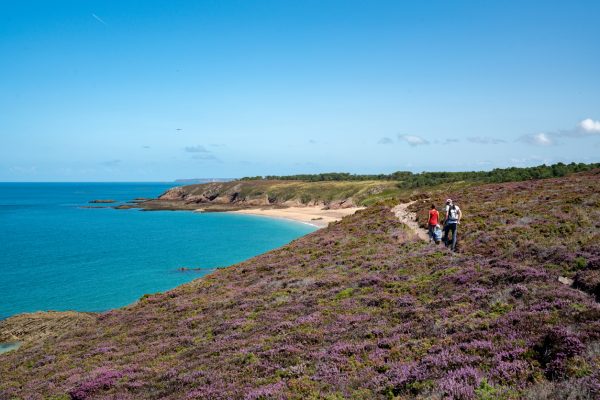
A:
<point x="159" y="90"/>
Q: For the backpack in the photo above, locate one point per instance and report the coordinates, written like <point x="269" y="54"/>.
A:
<point x="452" y="214"/>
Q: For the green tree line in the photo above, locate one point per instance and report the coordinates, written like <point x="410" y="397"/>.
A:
<point x="408" y="179"/>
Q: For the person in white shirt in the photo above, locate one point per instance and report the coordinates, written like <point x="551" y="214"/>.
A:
<point x="451" y="221"/>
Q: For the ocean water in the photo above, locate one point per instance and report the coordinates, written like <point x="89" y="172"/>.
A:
<point x="55" y="255"/>
<point x="6" y="347"/>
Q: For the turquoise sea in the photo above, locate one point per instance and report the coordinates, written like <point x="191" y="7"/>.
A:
<point x="55" y="255"/>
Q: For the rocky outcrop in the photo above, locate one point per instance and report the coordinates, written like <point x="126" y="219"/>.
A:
<point x="243" y="194"/>
<point x="409" y="219"/>
<point x="338" y="204"/>
<point x="177" y="193"/>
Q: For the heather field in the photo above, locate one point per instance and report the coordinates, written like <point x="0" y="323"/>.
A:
<point x="362" y="310"/>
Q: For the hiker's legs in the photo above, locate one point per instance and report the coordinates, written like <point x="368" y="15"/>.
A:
<point x="430" y="231"/>
<point x="445" y="237"/>
<point x="454" y="231"/>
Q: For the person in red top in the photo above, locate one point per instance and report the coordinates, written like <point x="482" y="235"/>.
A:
<point x="434" y="217"/>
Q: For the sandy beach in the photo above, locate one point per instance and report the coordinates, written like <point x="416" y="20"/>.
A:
<point x="316" y="216"/>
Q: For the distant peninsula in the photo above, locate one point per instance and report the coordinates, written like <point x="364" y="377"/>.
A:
<point x="190" y="181"/>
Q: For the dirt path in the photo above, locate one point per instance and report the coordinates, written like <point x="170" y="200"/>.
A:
<point x="410" y="219"/>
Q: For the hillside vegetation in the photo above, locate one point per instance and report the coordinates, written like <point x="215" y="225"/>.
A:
<point x="408" y="179"/>
<point x="362" y="310"/>
<point x="267" y="193"/>
<point x="338" y="190"/>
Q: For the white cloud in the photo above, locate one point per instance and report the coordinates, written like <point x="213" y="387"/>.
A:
<point x="413" y="140"/>
<point x="201" y="153"/>
<point x="585" y="128"/>
<point x="385" y="140"/>
<point x="538" y="139"/>
<point x="542" y="139"/>
<point x="589" y="126"/>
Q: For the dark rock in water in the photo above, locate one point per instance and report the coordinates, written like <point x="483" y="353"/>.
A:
<point x="186" y="269"/>
<point x="125" y="206"/>
<point x="102" y="201"/>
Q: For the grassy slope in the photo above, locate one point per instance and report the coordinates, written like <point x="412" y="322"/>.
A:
<point x="361" y="310"/>
<point x="304" y="192"/>
<point x="262" y="193"/>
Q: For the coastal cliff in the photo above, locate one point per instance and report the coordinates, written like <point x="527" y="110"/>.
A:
<point x="236" y="195"/>
<point x="362" y="309"/>
<point x="337" y="190"/>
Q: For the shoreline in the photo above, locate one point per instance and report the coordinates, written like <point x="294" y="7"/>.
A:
<point x="315" y="216"/>
<point x="310" y="215"/>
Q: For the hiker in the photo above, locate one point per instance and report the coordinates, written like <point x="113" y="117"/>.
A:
<point x="451" y="221"/>
<point x="434" y="216"/>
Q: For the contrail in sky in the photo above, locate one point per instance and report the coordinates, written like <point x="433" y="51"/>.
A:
<point x="98" y="19"/>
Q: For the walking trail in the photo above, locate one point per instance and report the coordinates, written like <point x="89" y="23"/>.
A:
<point x="410" y="219"/>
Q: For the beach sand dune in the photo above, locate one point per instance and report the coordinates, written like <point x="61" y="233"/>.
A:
<point x="317" y="216"/>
